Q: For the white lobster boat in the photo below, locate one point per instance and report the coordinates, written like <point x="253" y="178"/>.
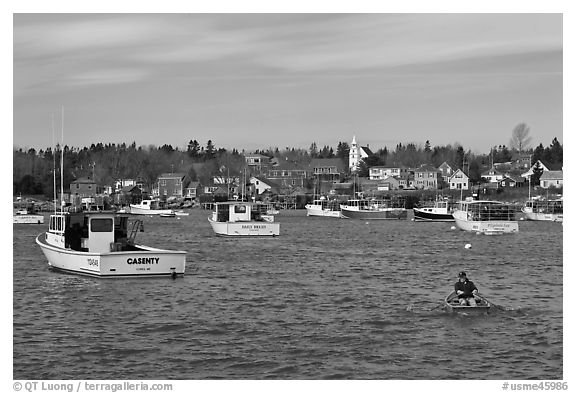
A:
<point x="374" y="209"/>
<point x="324" y="208"/>
<point x="242" y="219"/>
<point x="96" y="243"/>
<point x="149" y="207"/>
<point x="25" y="213"/>
<point x="537" y="210"/>
<point x="488" y="217"/>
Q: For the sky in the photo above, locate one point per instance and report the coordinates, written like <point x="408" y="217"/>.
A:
<point x="253" y="81"/>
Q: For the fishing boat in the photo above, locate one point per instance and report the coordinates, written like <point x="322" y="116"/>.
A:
<point x="148" y="207"/>
<point x="365" y="209"/>
<point x="453" y="304"/>
<point x="25" y="213"/>
<point x="324" y="208"/>
<point x="488" y="217"/>
<point x="242" y="219"/>
<point x="99" y="243"/>
<point x="440" y="210"/>
<point x="544" y="210"/>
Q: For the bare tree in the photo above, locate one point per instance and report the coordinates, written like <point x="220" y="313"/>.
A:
<point x="520" y="137"/>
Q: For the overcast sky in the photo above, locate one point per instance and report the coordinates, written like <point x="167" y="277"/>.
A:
<point x="259" y="80"/>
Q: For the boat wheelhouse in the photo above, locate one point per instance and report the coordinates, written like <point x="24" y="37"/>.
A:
<point x="101" y="244"/>
<point x="375" y="209"/>
<point x="440" y="210"/>
<point x="544" y="210"/>
<point x="25" y="213"/>
<point x="324" y="208"/>
<point x="149" y="207"/>
<point x="488" y="217"/>
<point x="243" y="219"/>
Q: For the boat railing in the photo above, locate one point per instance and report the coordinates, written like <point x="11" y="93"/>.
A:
<point x="491" y="212"/>
<point x="137" y="226"/>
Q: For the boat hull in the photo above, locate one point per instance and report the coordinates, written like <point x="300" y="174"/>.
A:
<point x="245" y="228"/>
<point x="544" y="216"/>
<point x="422" y="215"/>
<point x="148" y="212"/>
<point x="487" y="227"/>
<point x="453" y="305"/>
<point x="312" y="211"/>
<point x="389" y="214"/>
<point x="28" y="219"/>
<point x="146" y="262"/>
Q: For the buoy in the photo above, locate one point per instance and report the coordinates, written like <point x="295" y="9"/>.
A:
<point x="468" y="246"/>
<point x="521" y="218"/>
<point x="412" y="220"/>
<point x="452" y="228"/>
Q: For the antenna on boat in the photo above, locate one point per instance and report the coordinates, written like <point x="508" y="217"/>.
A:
<point x="62" y="167"/>
<point x="54" y="162"/>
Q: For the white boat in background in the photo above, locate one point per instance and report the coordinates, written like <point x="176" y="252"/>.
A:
<point x="544" y="210"/>
<point x="148" y="207"/>
<point x="488" y="217"/>
<point x="242" y="219"/>
<point x="99" y="244"/>
<point x="323" y="208"/>
<point x="25" y="213"/>
<point x="180" y="213"/>
<point x="439" y="211"/>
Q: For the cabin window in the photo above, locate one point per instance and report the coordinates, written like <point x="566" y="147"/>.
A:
<point x="101" y="225"/>
<point x="239" y="209"/>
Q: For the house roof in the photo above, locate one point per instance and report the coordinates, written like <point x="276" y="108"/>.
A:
<point x="426" y="168"/>
<point x="493" y="169"/>
<point x="129" y="189"/>
<point x="551" y="175"/>
<point x="327" y="162"/>
<point x="457" y="172"/>
<point x="176" y="175"/>
<point x="83" y="180"/>
<point x="256" y="155"/>
<point x="288" y="165"/>
<point x="445" y="165"/>
<point x="266" y="181"/>
<point x="367" y="150"/>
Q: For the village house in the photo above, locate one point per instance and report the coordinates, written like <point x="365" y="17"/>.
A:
<point x="256" y="162"/>
<point x="459" y="181"/>
<point x="537" y="164"/>
<point x="382" y="172"/>
<point x="172" y="184"/>
<point x="192" y="191"/>
<point x="446" y="171"/>
<point x="492" y="175"/>
<point x="262" y="185"/>
<point x="357" y="154"/>
<point x="551" y="179"/>
<point x="327" y="169"/>
<point x="128" y="195"/>
<point x="390" y="183"/>
<point x="84" y="188"/>
<point x="521" y="160"/>
<point x="427" y="177"/>
<point x="511" y="181"/>
<point x="288" y="174"/>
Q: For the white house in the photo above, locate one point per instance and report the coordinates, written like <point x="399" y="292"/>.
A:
<point x="493" y="176"/>
<point x="551" y="179"/>
<point x="261" y="185"/>
<point x="530" y="172"/>
<point x="357" y="153"/>
<point x="382" y="172"/>
<point x="459" y="181"/>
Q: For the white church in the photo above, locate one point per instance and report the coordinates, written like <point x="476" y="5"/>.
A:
<point x="357" y="153"/>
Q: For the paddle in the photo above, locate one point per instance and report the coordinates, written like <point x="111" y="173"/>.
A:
<point x="497" y="306"/>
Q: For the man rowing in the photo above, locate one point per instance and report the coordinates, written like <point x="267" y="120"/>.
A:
<point x="466" y="290"/>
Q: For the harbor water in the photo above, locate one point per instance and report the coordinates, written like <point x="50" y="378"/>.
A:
<point x="327" y="299"/>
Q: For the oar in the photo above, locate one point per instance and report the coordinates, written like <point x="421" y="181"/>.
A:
<point x="497" y="306"/>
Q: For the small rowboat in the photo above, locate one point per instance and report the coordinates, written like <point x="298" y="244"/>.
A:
<point x="453" y="304"/>
<point x="168" y="214"/>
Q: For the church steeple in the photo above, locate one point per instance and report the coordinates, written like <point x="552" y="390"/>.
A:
<point x="354" y="155"/>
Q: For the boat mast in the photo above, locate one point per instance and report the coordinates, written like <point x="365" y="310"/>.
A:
<point x="54" y="162"/>
<point x="62" y="167"/>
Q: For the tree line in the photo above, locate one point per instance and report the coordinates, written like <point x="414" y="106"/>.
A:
<point x="105" y="163"/>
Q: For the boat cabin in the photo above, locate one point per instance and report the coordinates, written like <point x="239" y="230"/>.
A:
<point x="239" y="211"/>
<point x="97" y="232"/>
<point x="546" y="207"/>
<point x="488" y="211"/>
<point x="23" y="208"/>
